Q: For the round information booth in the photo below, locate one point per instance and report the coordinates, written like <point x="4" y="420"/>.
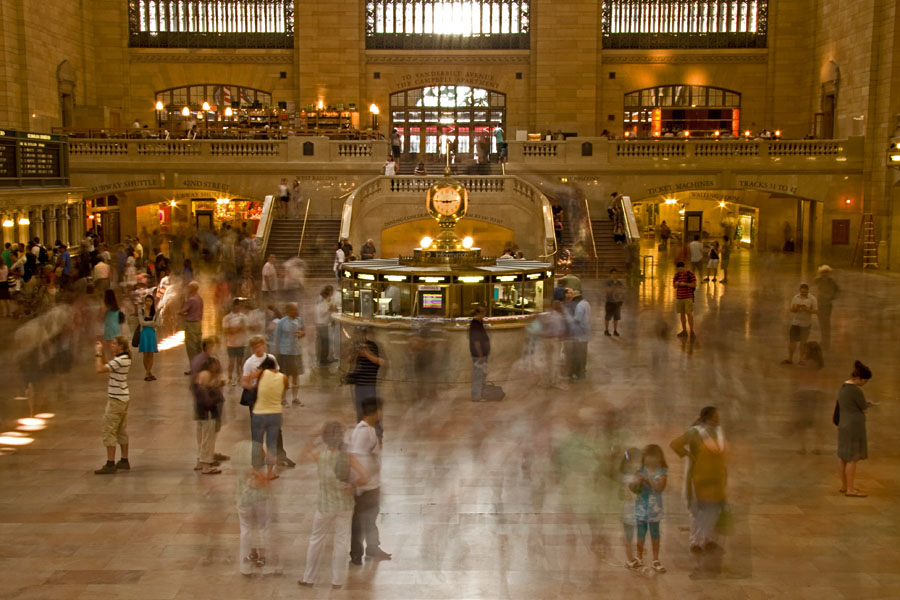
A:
<point x="424" y="302"/>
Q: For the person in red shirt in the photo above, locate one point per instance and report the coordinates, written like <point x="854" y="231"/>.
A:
<point x="685" y="282"/>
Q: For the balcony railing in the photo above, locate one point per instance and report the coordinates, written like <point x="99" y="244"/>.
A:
<point x="295" y="149"/>
<point x="597" y="152"/>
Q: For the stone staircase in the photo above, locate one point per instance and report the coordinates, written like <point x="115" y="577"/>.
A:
<point x="609" y="254"/>
<point x="318" y="246"/>
<point x="434" y="165"/>
<point x="318" y="243"/>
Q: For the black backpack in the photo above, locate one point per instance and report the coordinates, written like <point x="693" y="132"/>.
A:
<point x="43" y="257"/>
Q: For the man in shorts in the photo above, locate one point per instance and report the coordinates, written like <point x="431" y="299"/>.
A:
<point x="803" y="307"/>
<point x="614" y="290"/>
<point x="288" y="333"/>
<point x="685" y="283"/>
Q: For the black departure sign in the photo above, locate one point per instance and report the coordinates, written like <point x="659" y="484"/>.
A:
<point x="33" y="159"/>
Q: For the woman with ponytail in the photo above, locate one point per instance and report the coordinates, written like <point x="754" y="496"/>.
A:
<point x="850" y="417"/>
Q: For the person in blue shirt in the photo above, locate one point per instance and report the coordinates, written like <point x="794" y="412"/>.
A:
<point x="288" y="333"/>
<point x="650" y="481"/>
<point x="66" y="266"/>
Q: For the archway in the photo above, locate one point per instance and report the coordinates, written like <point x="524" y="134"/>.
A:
<point x="430" y="118"/>
<point x="670" y="110"/>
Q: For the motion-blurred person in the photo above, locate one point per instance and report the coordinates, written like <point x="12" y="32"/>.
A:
<point x="614" y="292"/>
<point x="269" y="280"/>
<point x="339" y="472"/>
<point x="725" y="258"/>
<point x="695" y="250"/>
<point x="339" y="258"/>
<point x="292" y="279"/>
<point x="685" y="282"/>
<point x="648" y="509"/>
<point x="208" y="403"/>
<point x="148" y="318"/>
<point x="803" y="307"/>
<point x="335" y="346"/>
<point x="192" y="311"/>
<point x="628" y="468"/>
<point x="664" y="234"/>
<point x="234" y="326"/>
<point x="288" y="334"/>
<point x="578" y="321"/>
<point x="704" y="447"/>
<point x="808" y="398"/>
<point x="850" y="418"/>
<point x="100" y="276"/>
<point x="827" y="291"/>
<point x="480" y="349"/>
<point x="116" y="415"/>
<point x="365" y="374"/>
<point x="5" y="296"/>
<point x="255" y="504"/>
<point x="324" y="309"/>
<point x="113" y="319"/>
<point x="553" y="330"/>
<point x="366" y="446"/>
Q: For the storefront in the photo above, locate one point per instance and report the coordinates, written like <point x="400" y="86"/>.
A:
<point x="203" y="213"/>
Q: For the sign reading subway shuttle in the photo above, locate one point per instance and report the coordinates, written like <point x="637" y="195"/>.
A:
<point x="28" y="156"/>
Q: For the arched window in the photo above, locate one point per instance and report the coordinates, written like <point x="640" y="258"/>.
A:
<point x="684" y="23"/>
<point x="229" y="105"/>
<point x="447" y="24"/>
<point x="432" y="119"/>
<point x="211" y="23"/>
<point x="667" y="110"/>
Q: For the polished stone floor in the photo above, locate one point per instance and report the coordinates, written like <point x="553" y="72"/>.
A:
<point x="475" y="504"/>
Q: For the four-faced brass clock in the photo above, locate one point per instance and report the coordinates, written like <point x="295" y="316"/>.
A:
<point x="447" y="201"/>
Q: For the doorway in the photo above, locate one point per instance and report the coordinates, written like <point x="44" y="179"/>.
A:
<point x="431" y="119"/>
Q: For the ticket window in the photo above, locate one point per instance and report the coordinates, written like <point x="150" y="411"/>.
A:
<point x="394" y="300"/>
<point x="507" y="299"/>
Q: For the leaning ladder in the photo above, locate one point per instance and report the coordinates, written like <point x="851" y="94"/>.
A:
<point x="866" y="238"/>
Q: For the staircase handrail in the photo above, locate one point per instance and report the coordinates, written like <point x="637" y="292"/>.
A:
<point x="265" y="222"/>
<point x="590" y="223"/>
<point x="303" y="230"/>
<point x="349" y="198"/>
<point x="631" y="229"/>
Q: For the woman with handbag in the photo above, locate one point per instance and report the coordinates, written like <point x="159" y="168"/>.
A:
<point x="266" y="417"/>
<point x="704" y="483"/>
<point x="850" y="417"/>
<point x="147" y="320"/>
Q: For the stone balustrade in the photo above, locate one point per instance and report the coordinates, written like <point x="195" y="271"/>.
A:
<point x="290" y="150"/>
<point x="707" y="153"/>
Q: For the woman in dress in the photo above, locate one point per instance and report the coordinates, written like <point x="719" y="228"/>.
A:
<point x="704" y="446"/>
<point x="851" y="421"/>
<point x="147" y="319"/>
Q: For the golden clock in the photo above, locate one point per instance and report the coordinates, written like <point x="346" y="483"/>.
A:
<point x="447" y="201"/>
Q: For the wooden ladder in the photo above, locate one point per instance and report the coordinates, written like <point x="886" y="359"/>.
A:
<point x="866" y="238"/>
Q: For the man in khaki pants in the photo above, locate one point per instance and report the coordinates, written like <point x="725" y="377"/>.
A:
<point x="208" y="402"/>
<point x="192" y="311"/>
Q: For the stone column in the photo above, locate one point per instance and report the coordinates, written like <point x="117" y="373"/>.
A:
<point x="50" y="228"/>
<point x="37" y="223"/>
<point x="64" y="227"/>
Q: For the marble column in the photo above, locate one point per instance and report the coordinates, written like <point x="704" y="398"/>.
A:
<point x="50" y="227"/>
<point x="64" y="227"/>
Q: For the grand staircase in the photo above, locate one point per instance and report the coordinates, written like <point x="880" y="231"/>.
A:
<point x="318" y="243"/>
<point x="434" y="165"/>
<point x="609" y="254"/>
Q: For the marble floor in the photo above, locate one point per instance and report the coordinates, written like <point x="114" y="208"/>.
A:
<point x="474" y="503"/>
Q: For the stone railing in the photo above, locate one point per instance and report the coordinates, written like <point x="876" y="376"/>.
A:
<point x="290" y="150"/>
<point x="601" y="152"/>
<point x="416" y="184"/>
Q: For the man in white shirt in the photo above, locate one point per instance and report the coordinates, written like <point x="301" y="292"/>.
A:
<point x="696" y="250"/>
<point x="101" y="276"/>
<point x="324" y="310"/>
<point x="269" y="280"/>
<point x="339" y="259"/>
<point x="803" y="307"/>
<point x="364" y="445"/>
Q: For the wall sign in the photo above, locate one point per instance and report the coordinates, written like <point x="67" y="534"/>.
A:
<point x="438" y="77"/>
<point x="767" y="186"/>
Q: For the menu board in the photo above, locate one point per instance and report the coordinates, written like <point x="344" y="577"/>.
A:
<point x="25" y="155"/>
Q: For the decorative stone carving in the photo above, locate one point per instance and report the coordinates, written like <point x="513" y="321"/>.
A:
<point x="717" y="57"/>
<point x="453" y="59"/>
<point x="269" y="57"/>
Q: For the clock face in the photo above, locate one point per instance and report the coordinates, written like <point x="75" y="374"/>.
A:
<point x="446" y="201"/>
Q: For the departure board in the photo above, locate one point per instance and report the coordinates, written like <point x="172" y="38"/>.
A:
<point x="32" y="158"/>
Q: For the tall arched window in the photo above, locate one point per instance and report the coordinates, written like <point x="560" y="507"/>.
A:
<point x="684" y="23"/>
<point x="430" y="118"/>
<point x="229" y="105"/>
<point x="211" y="23"/>
<point x="673" y="109"/>
<point x="447" y="24"/>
